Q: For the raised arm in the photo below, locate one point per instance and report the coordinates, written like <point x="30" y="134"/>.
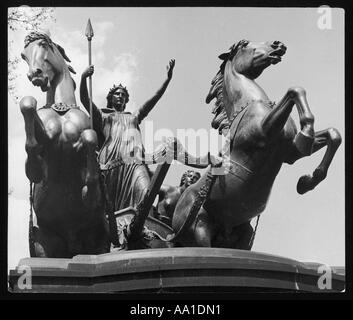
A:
<point x="97" y="117"/>
<point x="84" y="92"/>
<point x="149" y="104"/>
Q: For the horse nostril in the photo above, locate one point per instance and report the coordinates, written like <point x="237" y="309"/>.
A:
<point x="38" y="72"/>
<point x="34" y="73"/>
<point x="275" y="44"/>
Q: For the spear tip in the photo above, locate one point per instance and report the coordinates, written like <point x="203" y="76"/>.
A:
<point x="89" y="30"/>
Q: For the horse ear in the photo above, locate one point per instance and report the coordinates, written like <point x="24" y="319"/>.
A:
<point x="225" y="55"/>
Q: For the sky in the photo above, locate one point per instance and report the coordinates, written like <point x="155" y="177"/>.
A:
<point x="132" y="46"/>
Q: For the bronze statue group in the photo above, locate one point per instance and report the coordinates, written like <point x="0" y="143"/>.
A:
<point x="80" y="176"/>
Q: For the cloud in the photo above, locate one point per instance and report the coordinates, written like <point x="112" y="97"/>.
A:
<point x="123" y="70"/>
<point x="108" y="70"/>
<point x="76" y="44"/>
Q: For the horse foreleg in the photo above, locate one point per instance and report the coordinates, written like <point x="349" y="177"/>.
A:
<point x="34" y="162"/>
<point x="48" y="244"/>
<point x="91" y="193"/>
<point x="274" y="121"/>
<point x="330" y="138"/>
<point x="241" y="236"/>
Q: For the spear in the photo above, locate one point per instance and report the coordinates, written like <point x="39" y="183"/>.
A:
<point x="89" y="35"/>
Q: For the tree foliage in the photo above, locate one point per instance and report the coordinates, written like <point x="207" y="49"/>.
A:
<point x="23" y="18"/>
<point x="29" y="18"/>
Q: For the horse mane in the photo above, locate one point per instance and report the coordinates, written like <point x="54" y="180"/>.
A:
<point x="220" y="120"/>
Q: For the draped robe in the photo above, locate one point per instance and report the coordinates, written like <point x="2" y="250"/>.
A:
<point x="126" y="181"/>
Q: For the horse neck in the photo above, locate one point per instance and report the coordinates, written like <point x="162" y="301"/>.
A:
<point x="62" y="89"/>
<point x="238" y="90"/>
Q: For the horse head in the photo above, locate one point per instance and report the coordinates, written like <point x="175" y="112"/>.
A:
<point x="46" y="60"/>
<point x="244" y="60"/>
<point x="251" y="58"/>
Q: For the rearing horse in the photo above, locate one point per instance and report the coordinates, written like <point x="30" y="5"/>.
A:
<point x="262" y="137"/>
<point x="67" y="194"/>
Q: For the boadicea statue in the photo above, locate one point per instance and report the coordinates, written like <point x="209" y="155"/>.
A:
<point x="66" y="190"/>
<point x="262" y="137"/>
<point x="68" y="193"/>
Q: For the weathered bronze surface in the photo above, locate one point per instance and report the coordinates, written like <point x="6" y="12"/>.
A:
<point x="168" y="196"/>
<point x="70" y="194"/>
<point x="120" y="142"/>
<point x="67" y="194"/>
<point x="262" y="136"/>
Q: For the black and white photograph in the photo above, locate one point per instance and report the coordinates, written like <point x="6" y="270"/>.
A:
<point x="163" y="150"/>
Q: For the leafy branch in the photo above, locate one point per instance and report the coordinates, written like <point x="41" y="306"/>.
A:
<point x="23" y="18"/>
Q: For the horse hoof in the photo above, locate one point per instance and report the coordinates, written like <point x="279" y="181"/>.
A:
<point x="303" y="184"/>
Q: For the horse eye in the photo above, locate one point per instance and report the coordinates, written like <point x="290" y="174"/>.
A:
<point x="23" y="56"/>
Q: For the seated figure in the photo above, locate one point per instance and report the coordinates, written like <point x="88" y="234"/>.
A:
<point x="169" y="196"/>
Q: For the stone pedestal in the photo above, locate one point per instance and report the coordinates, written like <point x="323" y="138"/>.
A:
<point x="174" y="270"/>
